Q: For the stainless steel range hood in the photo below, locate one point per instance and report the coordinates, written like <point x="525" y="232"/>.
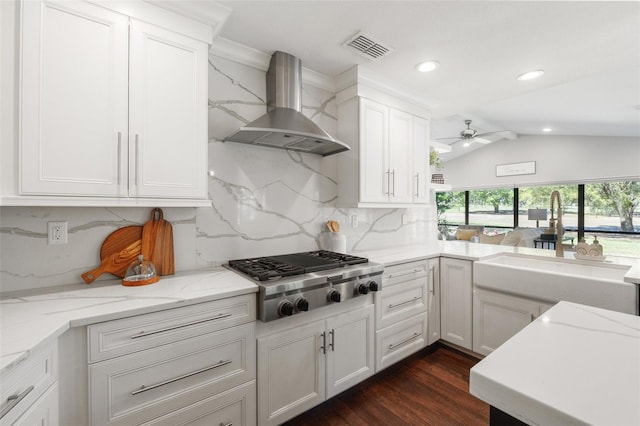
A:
<point x="284" y="126"/>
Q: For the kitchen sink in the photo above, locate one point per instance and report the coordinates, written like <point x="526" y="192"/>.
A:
<point x="555" y="279"/>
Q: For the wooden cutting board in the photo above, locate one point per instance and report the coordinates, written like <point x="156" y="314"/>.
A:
<point x="157" y="243"/>
<point x="115" y="262"/>
<point x="119" y="240"/>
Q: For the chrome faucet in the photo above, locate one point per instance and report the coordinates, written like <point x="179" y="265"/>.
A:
<point x="559" y="232"/>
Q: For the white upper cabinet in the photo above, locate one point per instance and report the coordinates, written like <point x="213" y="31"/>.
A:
<point x="389" y="140"/>
<point x="420" y="178"/>
<point x="74" y="118"/>
<point x="112" y="109"/>
<point x="167" y="113"/>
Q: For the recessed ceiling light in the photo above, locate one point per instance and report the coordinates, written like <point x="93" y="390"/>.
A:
<point x="427" y="66"/>
<point x="547" y="129"/>
<point x="530" y="75"/>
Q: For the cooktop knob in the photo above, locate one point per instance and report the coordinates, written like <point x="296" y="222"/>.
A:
<point x="362" y="289"/>
<point x="302" y="304"/>
<point x="285" y="308"/>
<point x="334" y="296"/>
<point x="373" y="286"/>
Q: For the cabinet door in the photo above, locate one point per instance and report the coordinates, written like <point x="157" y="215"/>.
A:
<point x="420" y="156"/>
<point x="291" y="373"/>
<point x="73" y="107"/>
<point x="498" y="317"/>
<point x="350" y="357"/>
<point x="400" y="159"/>
<point x="168" y="114"/>
<point x="374" y="141"/>
<point x="456" y="296"/>
<point x="433" y="305"/>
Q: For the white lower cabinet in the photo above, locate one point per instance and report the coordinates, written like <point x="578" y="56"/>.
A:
<point x="400" y="340"/>
<point x="401" y="312"/>
<point x="29" y="391"/>
<point x="456" y="295"/>
<point x="433" y="298"/>
<point x="301" y="367"/>
<point x="497" y="317"/>
<point x="170" y="367"/>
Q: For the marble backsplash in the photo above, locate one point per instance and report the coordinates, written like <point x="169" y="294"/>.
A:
<point x="264" y="201"/>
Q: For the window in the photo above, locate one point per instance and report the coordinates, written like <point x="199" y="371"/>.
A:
<point x="608" y="210"/>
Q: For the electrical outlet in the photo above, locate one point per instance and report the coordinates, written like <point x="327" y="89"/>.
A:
<point x="405" y="219"/>
<point x="57" y="233"/>
<point x="354" y="221"/>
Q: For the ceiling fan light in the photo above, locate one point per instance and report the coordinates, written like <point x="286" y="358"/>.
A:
<point x="427" y="66"/>
<point x="530" y="75"/>
<point x="466" y="144"/>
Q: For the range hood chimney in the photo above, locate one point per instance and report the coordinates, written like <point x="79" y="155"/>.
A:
<point x="284" y="126"/>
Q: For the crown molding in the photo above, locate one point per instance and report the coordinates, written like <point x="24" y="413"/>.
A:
<point x="245" y="55"/>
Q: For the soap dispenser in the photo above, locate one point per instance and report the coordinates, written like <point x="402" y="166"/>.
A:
<point x="595" y="248"/>
<point x="582" y="248"/>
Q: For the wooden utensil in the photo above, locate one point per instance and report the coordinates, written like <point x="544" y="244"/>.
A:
<point x="119" y="240"/>
<point x="157" y="243"/>
<point x="115" y="261"/>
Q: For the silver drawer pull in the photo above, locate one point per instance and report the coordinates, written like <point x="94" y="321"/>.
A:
<point x="226" y="424"/>
<point x="408" y="339"/>
<point x="166" y="382"/>
<point x="149" y="333"/>
<point x="14" y="400"/>
<point x="394" y="305"/>
<point x="415" y="271"/>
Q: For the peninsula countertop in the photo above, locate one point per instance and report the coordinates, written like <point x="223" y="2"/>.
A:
<point x="575" y="364"/>
<point x="32" y="319"/>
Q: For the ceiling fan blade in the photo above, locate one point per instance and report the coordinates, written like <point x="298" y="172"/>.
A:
<point x="493" y="133"/>
<point x="444" y="139"/>
<point x="481" y="140"/>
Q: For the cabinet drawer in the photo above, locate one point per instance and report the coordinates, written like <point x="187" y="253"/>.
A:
<point x="405" y="272"/>
<point x="145" y="385"/>
<point x="400" y="340"/>
<point x="399" y="302"/>
<point x="44" y="412"/>
<point x="235" y="407"/>
<point x="25" y="383"/>
<point x="132" y="334"/>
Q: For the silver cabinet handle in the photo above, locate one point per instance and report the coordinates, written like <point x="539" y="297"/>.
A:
<point x="533" y="317"/>
<point x="162" y="330"/>
<point x="144" y="388"/>
<point x="433" y="280"/>
<point x="137" y="157"/>
<point x="119" y="156"/>
<point x="415" y="271"/>
<point x="418" y="184"/>
<point x="333" y="340"/>
<point x="14" y="400"/>
<point x="395" y="305"/>
<point x="324" y="342"/>
<point x="402" y="342"/>
<point x="393" y="191"/>
<point x="226" y="424"/>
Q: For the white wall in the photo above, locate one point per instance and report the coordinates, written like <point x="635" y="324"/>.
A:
<point x="559" y="159"/>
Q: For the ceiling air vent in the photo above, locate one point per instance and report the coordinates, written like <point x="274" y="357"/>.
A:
<point x="367" y="46"/>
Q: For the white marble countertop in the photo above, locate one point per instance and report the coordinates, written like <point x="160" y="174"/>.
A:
<point x="575" y="364"/>
<point x="475" y="251"/>
<point x="32" y="319"/>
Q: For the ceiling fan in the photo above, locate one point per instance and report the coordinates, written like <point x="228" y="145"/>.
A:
<point x="470" y="135"/>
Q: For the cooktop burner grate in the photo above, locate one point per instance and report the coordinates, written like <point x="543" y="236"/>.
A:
<point x="272" y="267"/>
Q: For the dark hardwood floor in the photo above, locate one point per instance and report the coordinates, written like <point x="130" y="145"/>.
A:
<point x="428" y="388"/>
